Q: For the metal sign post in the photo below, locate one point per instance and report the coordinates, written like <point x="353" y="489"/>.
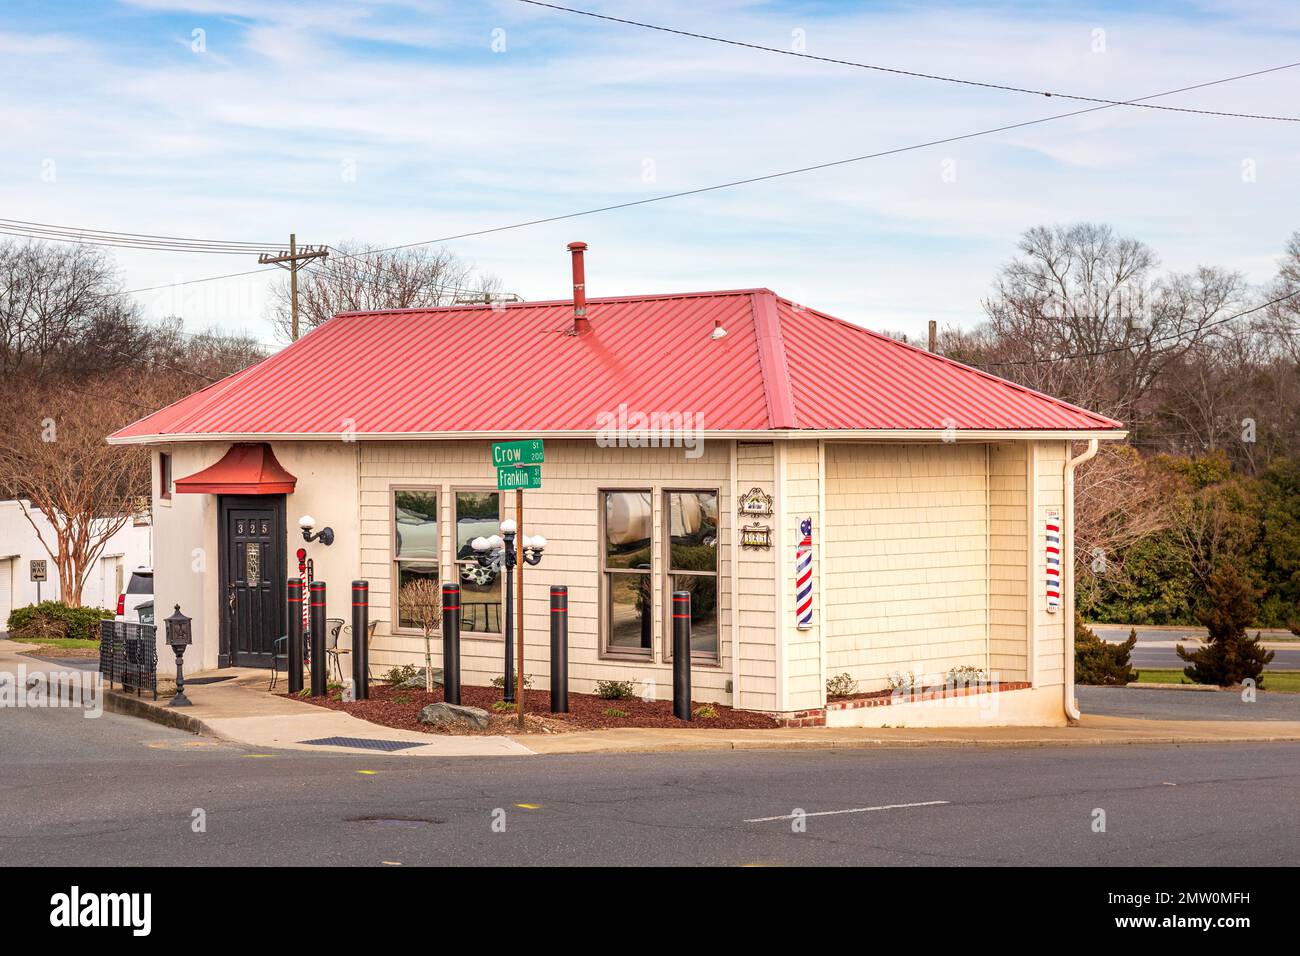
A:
<point x="39" y="573"/>
<point x="519" y="466"/>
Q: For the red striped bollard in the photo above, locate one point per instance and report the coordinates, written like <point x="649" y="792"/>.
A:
<point x="559" y="649"/>
<point x="451" y="643"/>
<point x="294" y="651"/>
<point x="682" y="654"/>
<point x="317" y="609"/>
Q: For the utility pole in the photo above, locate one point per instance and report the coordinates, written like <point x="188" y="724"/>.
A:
<point x="293" y="260"/>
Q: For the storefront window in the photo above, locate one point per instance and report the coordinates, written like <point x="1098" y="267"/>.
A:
<point x="627" y="587"/>
<point x="415" y="543"/>
<point x="478" y="515"/>
<point x="692" y="566"/>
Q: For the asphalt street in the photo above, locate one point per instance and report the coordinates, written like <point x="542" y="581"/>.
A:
<point x="1155" y="646"/>
<point x="120" y="791"/>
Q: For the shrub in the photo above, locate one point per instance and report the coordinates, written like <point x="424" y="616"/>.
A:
<point x="841" y="685"/>
<point x="1100" y="662"/>
<point x="500" y="682"/>
<point x="902" y="680"/>
<point x="1229" y="656"/>
<point x="401" y="673"/>
<point x="706" y="710"/>
<point x="615" y="689"/>
<point x="964" y="674"/>
<point x="614" y="712"/>
<point x="503" y="705"/>
<point x="54" y="619"/>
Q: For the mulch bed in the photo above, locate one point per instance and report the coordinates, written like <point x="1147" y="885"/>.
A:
<point x="392" y="707"/>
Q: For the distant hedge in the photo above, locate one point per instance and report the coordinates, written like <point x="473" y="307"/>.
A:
<point x="54" y="619"/>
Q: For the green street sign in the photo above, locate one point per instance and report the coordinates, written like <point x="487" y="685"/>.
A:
<point x="525" y="476"/>
<point x="507" y="454"/>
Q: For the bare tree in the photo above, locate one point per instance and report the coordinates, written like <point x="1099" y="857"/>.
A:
<point x="358" y="278"/>
<point x="1081" y="313"/>
<point x="1119" y="500"/>
<point x="55" y="455"/>
<point x="421" y="603"/>
<point x="60" y="307"/>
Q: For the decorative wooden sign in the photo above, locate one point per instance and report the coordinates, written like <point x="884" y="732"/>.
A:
<point x="756" y="537"/>
<point x="755" y="502"/>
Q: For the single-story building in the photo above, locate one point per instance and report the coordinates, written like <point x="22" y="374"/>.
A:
<point x="24" y="533"/>
<point x="713" y="442"/>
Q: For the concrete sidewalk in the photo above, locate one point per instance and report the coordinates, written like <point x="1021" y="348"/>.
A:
<point x="241" y="711"/>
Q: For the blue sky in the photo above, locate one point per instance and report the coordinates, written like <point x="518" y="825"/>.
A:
<point x="259" y="132"/>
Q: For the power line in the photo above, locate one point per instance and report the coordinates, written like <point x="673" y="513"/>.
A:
<point x="900" y="72"/>
<point x="45" y="230"/>
<point x="754" y="179"/>
<point x="1129" y="348"/>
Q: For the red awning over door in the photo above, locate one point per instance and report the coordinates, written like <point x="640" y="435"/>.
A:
<point x="248" y="468"/>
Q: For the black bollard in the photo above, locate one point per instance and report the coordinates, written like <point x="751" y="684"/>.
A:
<point x="317" y="616"/>
<point x="361" y="640"/>
<point x="295" y="635"/>
<point x="559" y="649"/>
<point x="451" y="643"/>
<point x="682" y="654"/>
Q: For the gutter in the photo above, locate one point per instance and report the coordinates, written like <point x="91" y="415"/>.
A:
<point x="1067" y="574"/>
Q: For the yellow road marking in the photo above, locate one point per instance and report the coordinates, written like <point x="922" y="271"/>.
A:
<point x="368" y="773"/>
<point x="529" y="806"/>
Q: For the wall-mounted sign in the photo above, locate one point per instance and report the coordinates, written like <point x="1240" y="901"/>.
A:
<point x="39" y="571"/>
<point x="755" y="502"/>
<point x="803" y="603"/>
<point x="756" y="536"/>
<point x="1052" y="551"/>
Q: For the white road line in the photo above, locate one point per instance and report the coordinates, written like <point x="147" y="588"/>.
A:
<point x="831" y="813"/>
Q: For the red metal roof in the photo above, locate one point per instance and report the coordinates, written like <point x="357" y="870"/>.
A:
<point x="514" y="369"/>
<point x="247" y="468"/>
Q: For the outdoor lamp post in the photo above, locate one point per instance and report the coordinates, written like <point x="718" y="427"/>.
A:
<point x="498" y="552"/>
<point x="324" y="535"/>
<point x="179" y="637"/>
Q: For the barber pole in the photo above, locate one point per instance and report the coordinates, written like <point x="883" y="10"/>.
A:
<point x="803" y="602"/>
<point x="1053" y="553"/>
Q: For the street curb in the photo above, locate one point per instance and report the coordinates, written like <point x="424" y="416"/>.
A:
<point x="117" y="702"/>
<point x="1152" y="685"/>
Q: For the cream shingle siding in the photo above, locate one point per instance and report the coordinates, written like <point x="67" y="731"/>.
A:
<point x="1008" y="521"/>
<point x="907" y="547"/>
<point x="566" y="511"/>
<point x="805" y="685"/>
<point x="1051" y="627"/>
<point x="756" y="587"/>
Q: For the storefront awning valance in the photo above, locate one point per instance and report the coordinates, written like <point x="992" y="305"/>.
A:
<point x="248" y="468"/>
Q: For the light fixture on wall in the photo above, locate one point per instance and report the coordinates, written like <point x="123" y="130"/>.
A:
<point x="325" y="535"/>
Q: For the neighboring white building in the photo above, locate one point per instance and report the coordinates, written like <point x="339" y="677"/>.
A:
<point x="131" y="547"/>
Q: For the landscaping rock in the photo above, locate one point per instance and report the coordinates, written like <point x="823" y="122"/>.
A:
<point x="417" y="682"/>
<point x="441" y="715"/>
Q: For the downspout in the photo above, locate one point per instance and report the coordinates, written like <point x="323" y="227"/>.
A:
<point x="1067" y="572"/>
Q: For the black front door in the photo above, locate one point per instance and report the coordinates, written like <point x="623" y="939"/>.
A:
<point x="252" y="579"/>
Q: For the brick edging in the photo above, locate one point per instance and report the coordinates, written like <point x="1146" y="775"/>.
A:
<point x="817" y="716"/>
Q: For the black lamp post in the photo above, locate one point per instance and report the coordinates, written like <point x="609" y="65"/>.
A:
<point x="179" y="637"/>
<point x="498" y="551"/>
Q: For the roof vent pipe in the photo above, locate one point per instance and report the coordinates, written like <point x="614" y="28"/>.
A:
<point x="580" y="323"/>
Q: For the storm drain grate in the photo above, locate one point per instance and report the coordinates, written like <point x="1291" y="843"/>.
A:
<point x="362" y="742"/>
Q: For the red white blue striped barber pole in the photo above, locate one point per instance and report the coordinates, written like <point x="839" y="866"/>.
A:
<point x="803" y="576"/>
<point x="1053" y="527"/>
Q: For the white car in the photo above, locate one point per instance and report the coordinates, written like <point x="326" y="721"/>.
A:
<point x="136" y="605"/>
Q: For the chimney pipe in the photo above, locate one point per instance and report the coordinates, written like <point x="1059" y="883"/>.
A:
<point x="580" y="323"/>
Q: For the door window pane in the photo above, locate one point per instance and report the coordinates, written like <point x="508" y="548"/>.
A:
<point x="415" y="519"/>
<point x="628" y="521"/>
<point x="627" y="610"/>
<point x="693" y="530"/>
